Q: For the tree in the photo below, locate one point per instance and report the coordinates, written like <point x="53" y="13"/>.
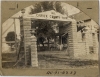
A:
<point x="45" y="28"/>
<point x="46" y="6"/>
<point x="10" y="37"/>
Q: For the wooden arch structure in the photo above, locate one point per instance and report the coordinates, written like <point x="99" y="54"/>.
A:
<point x="31" y="41"/>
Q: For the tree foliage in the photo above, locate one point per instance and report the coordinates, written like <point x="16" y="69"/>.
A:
<point x="45" y="27"/>
<point x="46" y="6"/>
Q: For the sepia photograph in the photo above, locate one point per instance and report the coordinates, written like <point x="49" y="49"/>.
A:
<point x="50" y="35"/>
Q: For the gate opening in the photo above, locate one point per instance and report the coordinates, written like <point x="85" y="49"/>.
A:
<point x="51" y="35"/>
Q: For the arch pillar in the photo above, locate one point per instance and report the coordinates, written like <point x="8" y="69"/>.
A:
<point x="30" y="44"/>
<point x="72" y="40"/>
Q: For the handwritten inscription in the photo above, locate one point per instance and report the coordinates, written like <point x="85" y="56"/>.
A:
<point x="61" y="72"/>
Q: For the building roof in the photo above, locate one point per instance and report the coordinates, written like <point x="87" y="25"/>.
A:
<point x="81" y="16"/>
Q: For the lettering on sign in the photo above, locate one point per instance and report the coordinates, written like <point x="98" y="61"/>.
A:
<point x="50" y="15"/>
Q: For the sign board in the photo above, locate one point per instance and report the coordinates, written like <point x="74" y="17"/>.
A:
<point x="49" y="15"/>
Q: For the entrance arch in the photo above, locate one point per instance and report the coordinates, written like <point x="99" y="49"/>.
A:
<point x="48" y="15"/>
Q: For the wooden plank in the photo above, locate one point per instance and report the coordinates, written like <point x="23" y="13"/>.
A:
<point x="27" y="19"/>
<point x="35" y="46"/>
<point x="8" y="42"/>
<point x="26" y="30"/>
<point x="33" y="53"/>
<point x="34" y="58"/>
<point x="27" y="35"/>
<point x="27" y="27"/>
<point x="27" y="23"/>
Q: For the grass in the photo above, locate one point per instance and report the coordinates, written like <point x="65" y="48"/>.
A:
<point x="57" y="62"/>
<point x="50" y="60"/>
<point x="84" y="63"/>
